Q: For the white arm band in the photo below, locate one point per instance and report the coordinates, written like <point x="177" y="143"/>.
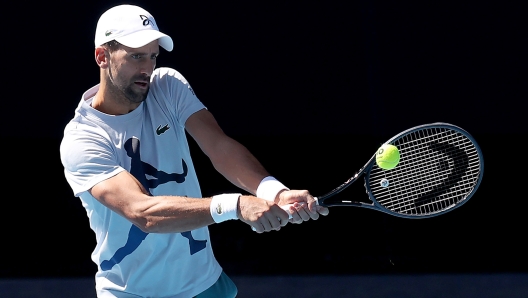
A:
<point x="224" y="207"/>
<point x="269" y="187"/>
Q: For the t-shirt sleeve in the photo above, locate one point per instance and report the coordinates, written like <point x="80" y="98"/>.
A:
<point x="87" y="159"/>
<point x="177" y="93"/>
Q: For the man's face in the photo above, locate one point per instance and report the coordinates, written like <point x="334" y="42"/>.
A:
<point x="130" y="70"/>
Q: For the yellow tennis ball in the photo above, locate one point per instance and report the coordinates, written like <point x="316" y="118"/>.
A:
<point x="387" y="157"/>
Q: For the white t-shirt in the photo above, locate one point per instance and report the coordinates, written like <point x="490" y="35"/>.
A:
<point x="149" y="142"/>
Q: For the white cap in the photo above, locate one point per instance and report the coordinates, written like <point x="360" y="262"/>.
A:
<point x="131" y="26"/>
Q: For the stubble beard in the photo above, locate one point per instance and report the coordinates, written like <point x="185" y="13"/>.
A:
<point x="134" y="96"/>
<point x="126" y="91"/>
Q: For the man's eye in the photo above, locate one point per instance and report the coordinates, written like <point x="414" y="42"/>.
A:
<point x="136" y="56"/>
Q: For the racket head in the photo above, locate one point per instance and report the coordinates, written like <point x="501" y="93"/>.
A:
<point x="441" y="167"/>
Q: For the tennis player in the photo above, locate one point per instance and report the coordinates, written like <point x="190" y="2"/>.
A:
<point x="126" y="156"/>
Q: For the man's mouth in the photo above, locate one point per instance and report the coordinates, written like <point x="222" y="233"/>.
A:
<point x="141" y="84"/>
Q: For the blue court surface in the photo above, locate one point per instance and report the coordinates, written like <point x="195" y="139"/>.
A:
<point x="497" y="285"/>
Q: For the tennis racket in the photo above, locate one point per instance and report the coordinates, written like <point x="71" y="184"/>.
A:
<point x="440" y="168"/>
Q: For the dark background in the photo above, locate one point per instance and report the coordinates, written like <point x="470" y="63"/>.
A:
<point x="311" y="89"/>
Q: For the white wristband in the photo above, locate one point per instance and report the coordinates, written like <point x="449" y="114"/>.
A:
<point x="224" y="207"/>
<point x="269" y="187"/>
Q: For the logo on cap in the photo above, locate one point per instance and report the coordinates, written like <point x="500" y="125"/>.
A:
<point x="146" y="20"/>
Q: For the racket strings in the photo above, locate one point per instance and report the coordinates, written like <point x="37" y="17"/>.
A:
<point x="438" y="168"/>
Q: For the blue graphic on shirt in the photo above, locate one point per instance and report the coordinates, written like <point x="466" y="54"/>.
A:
<point x="135" y="237"/>
<point x="194" y="245"/>
<point x="140" y="169"/>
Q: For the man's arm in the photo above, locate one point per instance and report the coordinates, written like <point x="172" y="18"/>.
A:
<point x="126" y="196"/>
<point x="235" y="162"/>
<point x="229" y="157"/>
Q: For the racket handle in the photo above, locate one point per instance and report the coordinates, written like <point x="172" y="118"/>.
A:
<point x="287" y="209"/>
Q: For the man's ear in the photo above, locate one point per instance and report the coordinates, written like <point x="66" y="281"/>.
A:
<point x="101" y="57"/>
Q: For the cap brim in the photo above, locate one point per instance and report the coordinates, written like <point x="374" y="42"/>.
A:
<point x="141" y="38"/>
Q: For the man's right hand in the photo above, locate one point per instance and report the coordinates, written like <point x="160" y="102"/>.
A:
<point x="262" y="215"/>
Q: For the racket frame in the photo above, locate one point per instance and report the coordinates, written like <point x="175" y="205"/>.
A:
<point x="366" y="169"/>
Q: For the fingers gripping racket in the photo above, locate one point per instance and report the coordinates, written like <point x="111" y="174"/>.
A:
<point x="440" y="168"/>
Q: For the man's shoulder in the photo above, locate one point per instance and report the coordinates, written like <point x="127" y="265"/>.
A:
<point x="167" y="73"/>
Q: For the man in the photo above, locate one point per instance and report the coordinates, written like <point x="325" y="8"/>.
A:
<point x="126" y="157"/>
